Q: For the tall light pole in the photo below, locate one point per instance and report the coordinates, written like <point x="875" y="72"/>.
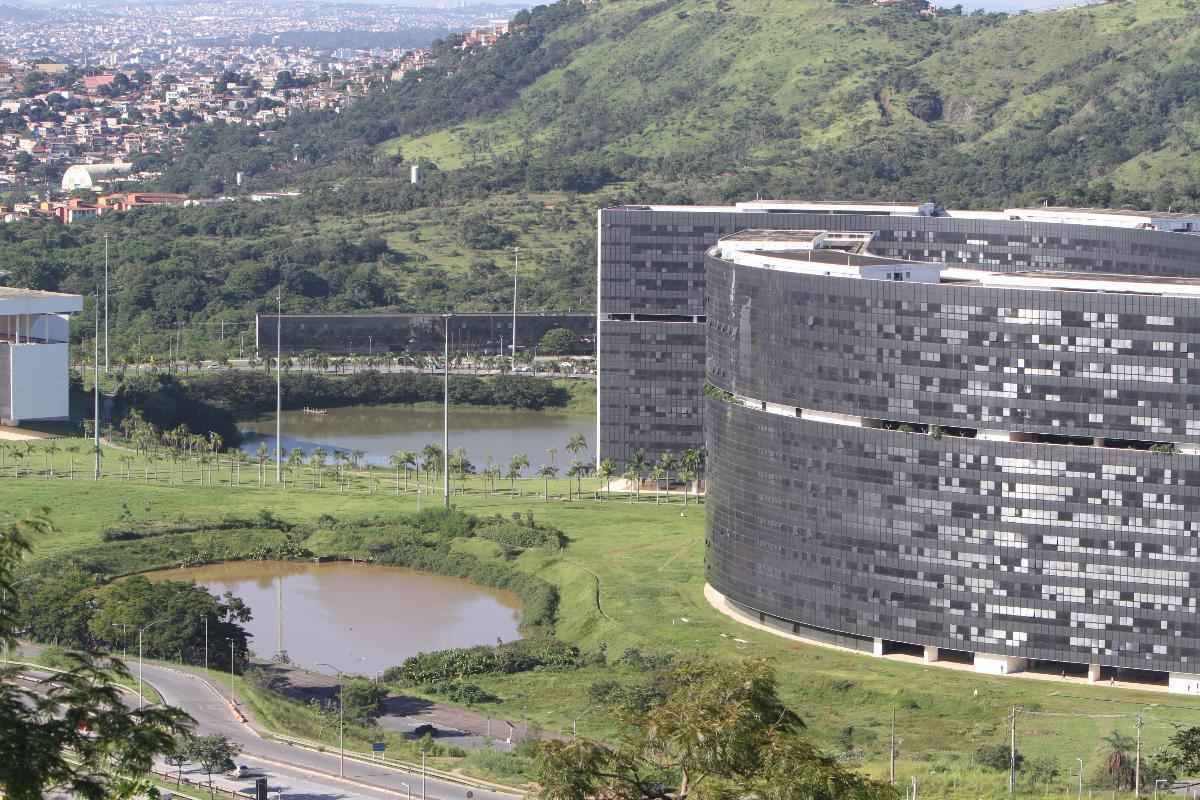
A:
<point x="106" y="304"/>
<point x="1079" y="794"/>
<point x="341" y="722"/>
<point x="96" y="390"/>
<point x="279" y="385"/>
<point x="516" y="261"/>
<point x="206" y="642"/>
<point x="124" y="639"/>
<point x="142" y="630"/>
<point x="446" y="417"/>
<point x="232" y="646"/>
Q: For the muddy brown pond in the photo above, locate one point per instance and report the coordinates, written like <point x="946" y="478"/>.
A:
<point x="360" y="618"/>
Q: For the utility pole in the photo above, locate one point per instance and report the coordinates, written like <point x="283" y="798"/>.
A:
<point x="106" y="305"/>
<point x="446" y="417"/>
<point x="96" y="392"/>
<point x="279" y="386"/>
<point x="1012" y="753"/>
<point x="1137" y="760"/>
<point x="279" y="615"/>
<point x="516" y="261"/>
<point x="206" y="642"/>
<point x="892" y="758"/>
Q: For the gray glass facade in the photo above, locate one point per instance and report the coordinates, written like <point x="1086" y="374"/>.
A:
<point x="1068" y="551"/>
<point x="988" y="485"/>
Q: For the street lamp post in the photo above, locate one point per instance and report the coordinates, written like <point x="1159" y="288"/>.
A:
<point x="141" y="631"/>
<point x="232" y="695"/>
<point x="279" y="386"/>
<point x="1080" y="792"/>
<point x="516" y="261"/>
<point x="106" y="305"/>
<point x="124" y="648"/>
<point x="341" y="721"/>
<point x="1156" y="783"/>
<point x="407" y="788"/>
<point x="446" y="417"/>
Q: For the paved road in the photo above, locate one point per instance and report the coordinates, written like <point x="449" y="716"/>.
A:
<point x="293" y="766"/>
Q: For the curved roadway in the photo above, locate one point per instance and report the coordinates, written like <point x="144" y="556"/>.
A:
<point x="283" y="764"/>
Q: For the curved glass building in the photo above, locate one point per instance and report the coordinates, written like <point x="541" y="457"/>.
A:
<point x="937" y="432"/>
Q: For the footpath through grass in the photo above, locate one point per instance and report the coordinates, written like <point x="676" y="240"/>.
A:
<point x="632" y="577"/>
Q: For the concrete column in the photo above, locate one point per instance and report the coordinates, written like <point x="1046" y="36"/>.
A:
<point x="1183" y="683"/>
<point x="932" y="654"/>
<point x="877" y="647"/>
<point x="1093" y="673"/>
<point x="1097" y="441"/>
<point x="988" y="664"/>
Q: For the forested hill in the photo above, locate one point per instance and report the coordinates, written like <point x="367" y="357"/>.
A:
<point x="1096" y="105"/>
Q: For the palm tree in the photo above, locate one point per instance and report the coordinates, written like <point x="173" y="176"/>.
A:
<point x="462" y="465"/>
<point x="631" y="476"/>
<point x="608" y="468"/>
<point x="51" y="450"/>
<point x="317" y="462"/>
<point x="577" y="444"/>
<point x="693" y="462"/>
<point x="576" y="471"/>
<point x="657" y="473"/>
<point x="515" y="464"/>
<point x="547" y="472"/>
<point x="667" y="463"/>
<point x="402" y="459"/>
<point x="261" y="456"/>
<point x="295" y="461"/>
<point x="432" y="454"/>
<point x="638" y="465"/>
<point x="1117" y="765"/>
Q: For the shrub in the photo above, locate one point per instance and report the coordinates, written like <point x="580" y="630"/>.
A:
<point x="996" y="756"/>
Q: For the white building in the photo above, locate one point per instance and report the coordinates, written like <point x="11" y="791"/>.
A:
<point x="34" y="354"/>
<point x="89" y="176"/>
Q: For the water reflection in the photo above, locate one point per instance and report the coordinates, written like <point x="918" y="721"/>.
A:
<point x="363" y="618"/>
<point x="379" y="431"/>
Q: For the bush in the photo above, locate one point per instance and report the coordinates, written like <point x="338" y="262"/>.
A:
<point x="464" y="693"/>
<point x="996" y="756"/>
<point x="445" y="666"/>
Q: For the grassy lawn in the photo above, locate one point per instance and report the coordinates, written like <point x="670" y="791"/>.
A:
<point x="632" y="577"/>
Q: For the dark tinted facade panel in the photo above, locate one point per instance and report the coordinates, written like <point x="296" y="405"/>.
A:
<point x="1072" y="554"/>
<point x="647" y="388"/>
<point x="652" y="263"/>
<point x="1065" y="363"/>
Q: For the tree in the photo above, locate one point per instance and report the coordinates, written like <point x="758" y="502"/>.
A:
<point x="608" y="468"/>
<point x="712" y="727"/>
<point x="74" y="735"/>
<point x="1118" y="765"/>
<point x="547" y="472"/>
<point x="214" y="753"/>
<point x="362" y="700"/>
<point x="515" y="464"/>
<point x="557" y="341"/>
<point x="637" y="465"/>
<point x="575" y="445"/>
<point x="403" y="459"/>
<point x="1183" y="750"/>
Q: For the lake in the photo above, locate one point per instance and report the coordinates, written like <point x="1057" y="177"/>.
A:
<point x="361" y="618"/>
<point x="379" y="431"/>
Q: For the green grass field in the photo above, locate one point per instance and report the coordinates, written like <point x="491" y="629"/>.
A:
<point x="643" y="562"/>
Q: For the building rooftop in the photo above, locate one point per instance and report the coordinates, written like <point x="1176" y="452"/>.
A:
<point x="14" y="300"/>
<point x="759" y="235"/>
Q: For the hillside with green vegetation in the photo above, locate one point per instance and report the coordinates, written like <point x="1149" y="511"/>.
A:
<point x="1091" y="105"/>
<point x="633" y="101"/>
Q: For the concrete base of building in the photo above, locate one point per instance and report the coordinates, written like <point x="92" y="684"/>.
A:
<point x="988" y="664"/>
<point x="1093" y="673"/>
<point x="932" y="654"/>
<point x="877" y="648"/>
<point x="1183" y="683"/>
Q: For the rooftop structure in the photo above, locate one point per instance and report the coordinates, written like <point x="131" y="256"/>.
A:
<point x="90" y="176"/>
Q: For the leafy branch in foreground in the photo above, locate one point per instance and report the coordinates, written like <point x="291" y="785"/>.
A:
<point x="714" y="729"/>
<point x="73" y="733"/>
